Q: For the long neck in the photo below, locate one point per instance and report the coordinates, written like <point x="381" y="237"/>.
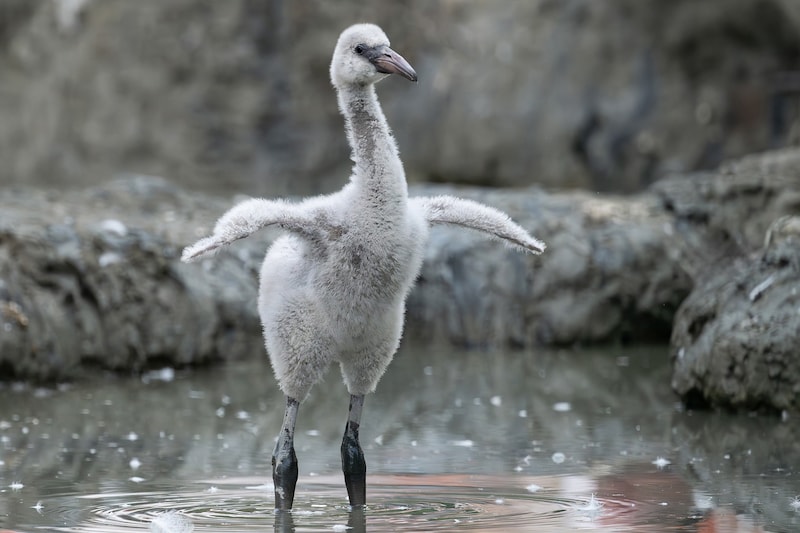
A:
<point x="378" y="172"/>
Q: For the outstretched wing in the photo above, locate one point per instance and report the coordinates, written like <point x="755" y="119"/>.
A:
<point x="248" y="217"/>
<point x="479" y="217"/>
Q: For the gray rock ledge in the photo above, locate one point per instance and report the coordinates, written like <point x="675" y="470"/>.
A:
<point x="736" y="338"/>
<point x="91" y="279"/>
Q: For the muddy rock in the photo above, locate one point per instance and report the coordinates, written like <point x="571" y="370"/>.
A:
<point x="735" y="338"/>
<point x="92" y="278"/>
<point x="724" y="214"/>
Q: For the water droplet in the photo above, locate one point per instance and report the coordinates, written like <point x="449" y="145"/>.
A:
<point x="559" y="458"/>
<point x="165" y="374"/>
<point x="661" y="462"/>
<point x="562" y="407"/>
<point x="592" y="505"/>
<point x="795" y="504"/>
<point x="171" y="522"/>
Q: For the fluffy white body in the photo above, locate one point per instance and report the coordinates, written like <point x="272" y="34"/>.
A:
<point x="333" y="288"/>
<point x="342" y="297"/>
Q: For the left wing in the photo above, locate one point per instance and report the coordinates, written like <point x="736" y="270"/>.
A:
<point x="479" y="217"/>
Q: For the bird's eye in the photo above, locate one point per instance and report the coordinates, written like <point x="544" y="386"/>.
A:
<point x="359" y="49"/>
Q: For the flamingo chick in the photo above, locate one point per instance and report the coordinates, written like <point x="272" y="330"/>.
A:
<point x="333" y="287"/>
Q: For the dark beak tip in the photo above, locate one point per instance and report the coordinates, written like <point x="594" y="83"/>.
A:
<point x="410" y="75"/>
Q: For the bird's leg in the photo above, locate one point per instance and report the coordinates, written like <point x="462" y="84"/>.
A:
<point x="284" y="460"/>
<point x="353" y="464"/>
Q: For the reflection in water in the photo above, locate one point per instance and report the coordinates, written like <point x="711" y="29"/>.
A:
<point x="356" y="522"/>
<point x="485" y="441"/>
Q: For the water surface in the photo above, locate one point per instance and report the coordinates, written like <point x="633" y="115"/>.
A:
<point x="455" y="440"/>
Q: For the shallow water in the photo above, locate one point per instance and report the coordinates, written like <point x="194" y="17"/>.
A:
<point x="454" y="440"/>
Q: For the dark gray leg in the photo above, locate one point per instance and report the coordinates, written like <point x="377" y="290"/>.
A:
<point x="353" y="464"/>
<point x="284" y="460"/>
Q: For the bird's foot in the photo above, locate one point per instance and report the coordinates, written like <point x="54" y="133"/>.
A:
<point x="356" y="489"/>
<point x="355" y="469"/>
<point x="284" y="476"/>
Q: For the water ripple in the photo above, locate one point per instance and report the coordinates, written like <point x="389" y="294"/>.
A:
<point x="397" y="503"/>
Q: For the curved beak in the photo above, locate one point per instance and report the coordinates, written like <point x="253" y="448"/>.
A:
<point x="387" y="61"/>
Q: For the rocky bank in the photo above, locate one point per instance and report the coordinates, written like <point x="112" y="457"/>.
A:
<point x="736" y="338"/>
<point x="91" y="278"/>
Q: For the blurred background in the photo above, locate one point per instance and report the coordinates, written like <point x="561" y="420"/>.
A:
<point x="607" y="95"/>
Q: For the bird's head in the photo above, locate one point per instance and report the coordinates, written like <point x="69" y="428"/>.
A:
<point x="363" y="57"/>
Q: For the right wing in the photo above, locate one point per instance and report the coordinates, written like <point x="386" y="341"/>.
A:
<point x="479" y="217"/>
